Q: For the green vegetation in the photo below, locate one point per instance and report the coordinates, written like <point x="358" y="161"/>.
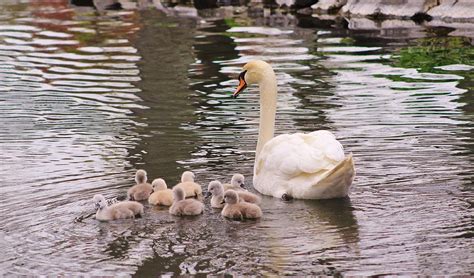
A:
<point x="398" y="78"/>
<point x="434" y="52"/>
<point x="231" y="22"/>
<point x="241" y="35"/>
<point x="237" y="21"/>
<point x="347" y="41"/>
<point x="87" y="38"/>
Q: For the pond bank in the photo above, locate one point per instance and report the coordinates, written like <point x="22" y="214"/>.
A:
<point x="418" y="10"/>
<point x="412" y="16"/>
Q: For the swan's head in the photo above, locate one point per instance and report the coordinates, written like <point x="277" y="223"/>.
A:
<point x="254" y="72"/>
<point x="231" y="197"/>
<point x="159" y="184"/>
<point x="178" y="194"/>
<point x="238" y="180"/>
<point x="140" y="176"/>
<point x="215" y="188"/>
<point x="187" y="176"/>
<point x="99" y="201"/>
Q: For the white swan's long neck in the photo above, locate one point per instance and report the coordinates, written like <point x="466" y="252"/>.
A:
<point x="268" y="98"/>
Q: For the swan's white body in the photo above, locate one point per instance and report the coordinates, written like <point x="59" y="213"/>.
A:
<point x="302" y="166"/>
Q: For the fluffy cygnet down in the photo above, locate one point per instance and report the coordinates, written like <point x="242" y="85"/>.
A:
<point x="217" y="190"/>
<point x="142" y="190"/>
<point x="237" y="183"/>
<point x="182" y="206"/>
<point x="120" y="210"/>
<point x="190" y="188"/>
<point x="162" y="195"/>
<point x="239" y="210"/>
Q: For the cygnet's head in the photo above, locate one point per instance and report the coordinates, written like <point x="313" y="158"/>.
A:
<point x="99" y="201"/>
<point x="140" y="176"/>
<point x="178" y="194"/>
<point x="254" y="72"/>
<point x="187" y="176"/>
<point x="159" y="184"/>
<point x="231" y="197"/>
<point x="238" y="180"/>
<point x="215" y="188"/>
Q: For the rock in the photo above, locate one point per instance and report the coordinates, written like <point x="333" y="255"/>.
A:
<point x="454" y="10"/>
<point x="460" y="29"/>
<point x="299" y="4"/>
<point x="361" y="23"/>
<point x="328" y="6"/>
<point x="205" y="4"/>
<point x="388" y="8"/>
<point x="390" y="28"/>
<point x="102" y="5"/>
<point x="82" y="3"/>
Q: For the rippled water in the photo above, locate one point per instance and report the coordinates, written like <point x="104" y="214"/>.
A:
<point x="89" y="96"/>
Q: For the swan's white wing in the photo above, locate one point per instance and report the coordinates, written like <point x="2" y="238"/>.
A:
<point x="293" y="163"/>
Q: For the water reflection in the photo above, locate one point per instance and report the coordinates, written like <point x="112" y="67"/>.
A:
<point x="166" y="93"/>
<point x="88" y="96"/>
<point x="66" y="107"/>
<point x="339" y="214"/>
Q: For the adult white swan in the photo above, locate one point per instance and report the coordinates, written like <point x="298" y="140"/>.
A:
<point x="302" y="166"/>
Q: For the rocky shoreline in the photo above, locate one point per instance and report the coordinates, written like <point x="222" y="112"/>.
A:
<point x="384" y="15"/>
<point x="418" y="10"/>
<point x="393" y="14"/>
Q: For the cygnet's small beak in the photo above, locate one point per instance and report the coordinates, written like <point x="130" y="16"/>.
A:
<point x="208" y="194"/>
<point x="97" y="205"/>
<point x="223" y="201"/>
<point x="242" y="85"/>
<point x="242" y="185"/>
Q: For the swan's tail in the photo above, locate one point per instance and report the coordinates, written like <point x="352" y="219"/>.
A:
<point x="336" y="182"/>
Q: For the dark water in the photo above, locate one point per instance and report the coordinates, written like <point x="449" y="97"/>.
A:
<point x="87" y="97"/>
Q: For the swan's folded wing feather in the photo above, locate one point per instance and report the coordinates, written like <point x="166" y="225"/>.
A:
<point x="290" y="155"/>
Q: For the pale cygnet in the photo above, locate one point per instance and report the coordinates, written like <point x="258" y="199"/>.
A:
<point x="182" y="206"/>
<point x="190" y="188"/>
<point x="120" y="210"/>
<point x="217" y="190"/>
<point x="142" y="190"/>
<point x="187" y="176"/>
<point x="236" y="183"/>
<point x="162" y="195"/>
<point x="239" y="210"/>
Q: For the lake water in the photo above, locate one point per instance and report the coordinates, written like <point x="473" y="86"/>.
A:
<point x="89" y="96"/>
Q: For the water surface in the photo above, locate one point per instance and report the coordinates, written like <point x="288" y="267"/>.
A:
<point x="89" y="96"/>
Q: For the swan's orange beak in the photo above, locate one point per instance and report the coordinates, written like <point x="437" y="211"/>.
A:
<point x="242" y="85"/>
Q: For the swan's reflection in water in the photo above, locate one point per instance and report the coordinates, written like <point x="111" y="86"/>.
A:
<point x="300" y="234"/>
<point x="336" y="213"/>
